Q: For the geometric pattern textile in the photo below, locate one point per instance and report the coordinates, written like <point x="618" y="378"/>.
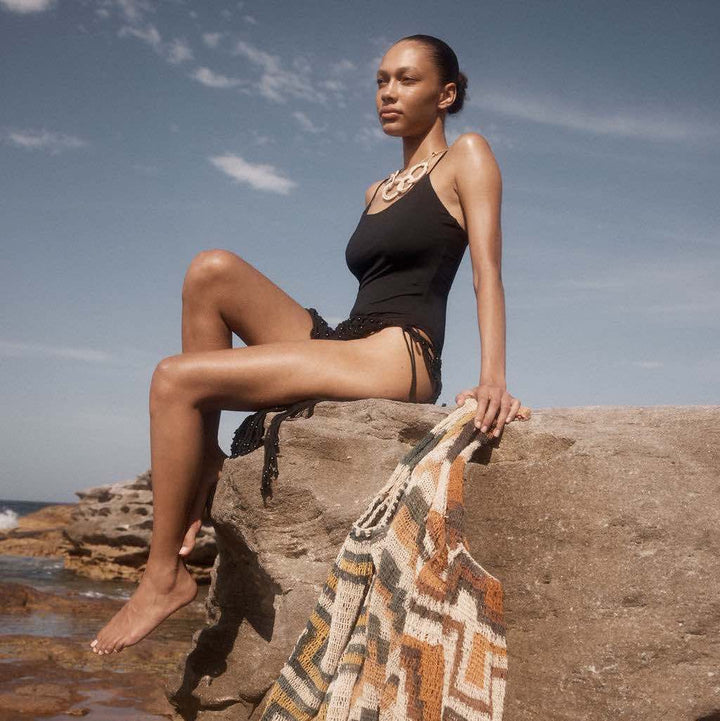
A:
<point x="408" y="626"/>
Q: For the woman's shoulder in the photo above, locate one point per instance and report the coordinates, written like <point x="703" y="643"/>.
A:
<point x="472" y="146"/>
<point x="372" y="190"/>
<point x="470" y="153"/>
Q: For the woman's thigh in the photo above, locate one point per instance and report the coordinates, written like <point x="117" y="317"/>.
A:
<point x="269" y="374"/>
<point x="252" y="306"/>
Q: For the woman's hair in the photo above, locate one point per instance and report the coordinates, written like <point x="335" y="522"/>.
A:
<point x="447" y="64"/>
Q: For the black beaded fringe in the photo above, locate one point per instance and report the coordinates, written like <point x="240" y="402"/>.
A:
<point x="251" y="434"/>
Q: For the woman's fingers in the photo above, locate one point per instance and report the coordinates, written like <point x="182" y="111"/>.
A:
<point x="482" y="404"/>
<point x="505" y="406"/>
<point x="524" y="413"/>
<point x="490" y="413"/>
<point x="461" y="397"/>
<point x="189" y="541"/>
<point x="514" y="408"/>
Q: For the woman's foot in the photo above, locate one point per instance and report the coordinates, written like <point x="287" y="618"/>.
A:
<point x="211" y="474"/>
<point x="158" y="596"/>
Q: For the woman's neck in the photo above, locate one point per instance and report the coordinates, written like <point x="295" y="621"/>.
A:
<point x="417" y="148"/>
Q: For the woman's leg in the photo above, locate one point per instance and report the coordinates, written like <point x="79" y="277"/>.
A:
<point x="185" y="388"/>
<point x="222" y="294"/>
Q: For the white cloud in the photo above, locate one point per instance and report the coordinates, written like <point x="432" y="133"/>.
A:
<point x="12" y="349"/>
<point x="42" y="140"/>
<point x="147" y="169"/>
<point x="131" y="11"/>
<point x="647" y="364"/>
<point x="250" y="20"/>
<point x="122" y="356"/>
<point x="149" y="35"/>
<point x="134" y="10"/>
<point x="277" y="82"/>
<point x="305" y="122"/>
<point x="26" y="6"/>
<point x="214" y="80"/>
<point x="176" y="51"/>
<point x="259" y="176"/>
<point x="212" y="40"/>
<point x="663" y="286"/>
<point x="370" y="136"/>
<point x="629" y="122"/>
<point x="343" y="66"/>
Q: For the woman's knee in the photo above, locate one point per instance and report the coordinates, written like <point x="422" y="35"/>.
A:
<point x="169" y="382"/>
<point x="207" y="269"/>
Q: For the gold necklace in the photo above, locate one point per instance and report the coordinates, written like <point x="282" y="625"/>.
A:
<point x="407" y="181"/>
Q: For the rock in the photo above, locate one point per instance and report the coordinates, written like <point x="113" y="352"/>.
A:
<point x="39" y="533"/>
<point x="60" y="677"/>
<point x="110" y="528"/>
<point x="599" y="521"/>
<point x="37" y="699"/>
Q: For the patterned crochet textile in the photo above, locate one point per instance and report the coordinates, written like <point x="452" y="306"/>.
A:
<point x="408" y="626"/>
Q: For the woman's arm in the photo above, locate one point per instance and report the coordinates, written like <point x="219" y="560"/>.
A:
<point x="479" y="187"/>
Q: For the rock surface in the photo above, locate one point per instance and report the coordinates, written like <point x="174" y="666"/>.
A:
<point x="600" y="522"/>
<point x="39" y="533"/>
<point x="110" y="528"/>
<point x="58" y="676"/>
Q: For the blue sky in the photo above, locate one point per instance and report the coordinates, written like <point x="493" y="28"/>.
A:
<point x="135" y="133"/>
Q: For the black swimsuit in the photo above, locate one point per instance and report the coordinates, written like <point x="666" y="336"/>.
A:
<point x="405" y="258"/>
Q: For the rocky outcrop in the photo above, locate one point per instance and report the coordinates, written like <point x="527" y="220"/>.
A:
<point x="600" y="522"/>
<point x="110" y="528"/>
<point x="39" y="533"/>
<point x="56" y="675"/>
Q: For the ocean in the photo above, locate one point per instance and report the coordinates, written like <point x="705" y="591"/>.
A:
<point x="10" y="511"/>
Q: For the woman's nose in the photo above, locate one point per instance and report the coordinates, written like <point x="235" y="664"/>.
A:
<point x="388" y="93"/>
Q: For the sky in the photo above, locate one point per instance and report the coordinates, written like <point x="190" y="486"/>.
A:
<point x="136" y="133"/>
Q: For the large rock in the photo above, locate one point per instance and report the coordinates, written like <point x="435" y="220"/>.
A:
<point x="601" y="522"/>
<point x="38" y="534"/>
<point x="110" y="528"/>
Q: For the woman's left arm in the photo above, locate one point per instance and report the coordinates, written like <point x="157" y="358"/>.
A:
<point x="479" y="187"/>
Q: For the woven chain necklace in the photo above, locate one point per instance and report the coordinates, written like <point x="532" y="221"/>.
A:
<point x="408" y="180"/>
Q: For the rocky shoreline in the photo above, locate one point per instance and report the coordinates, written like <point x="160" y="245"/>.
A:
<point x="47" y="675"/>
<point x="47" y="670"/>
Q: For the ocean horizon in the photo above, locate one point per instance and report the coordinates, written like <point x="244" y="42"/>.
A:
<point x="12" y="510"/>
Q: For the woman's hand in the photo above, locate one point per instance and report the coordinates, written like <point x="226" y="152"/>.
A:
<point x="494" y="403"/>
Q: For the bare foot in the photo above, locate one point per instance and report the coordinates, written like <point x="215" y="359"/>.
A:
<point x="211" y="474"/>
<point x="157" y="597"/>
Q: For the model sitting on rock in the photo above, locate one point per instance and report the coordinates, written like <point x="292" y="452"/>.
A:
<point x="405" y="253"/>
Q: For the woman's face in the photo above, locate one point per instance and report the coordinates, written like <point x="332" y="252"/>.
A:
<point x="408" y="82"/>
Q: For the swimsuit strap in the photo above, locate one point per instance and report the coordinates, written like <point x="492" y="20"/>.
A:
<point x="432" y="362"/>
<point x="376" y="190"/>
<point x="438" y="161"/>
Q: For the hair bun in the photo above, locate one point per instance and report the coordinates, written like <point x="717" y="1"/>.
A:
<point x="461" y="84"/>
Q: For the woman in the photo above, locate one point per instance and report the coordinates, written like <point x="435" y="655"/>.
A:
<point x="403" y="292"/>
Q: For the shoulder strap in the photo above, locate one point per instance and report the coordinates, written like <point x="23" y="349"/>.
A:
<point x="437" y="161"/>
<point x="375" y="193"/>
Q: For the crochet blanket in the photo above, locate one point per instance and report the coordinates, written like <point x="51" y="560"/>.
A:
<point x="408" y="625"/>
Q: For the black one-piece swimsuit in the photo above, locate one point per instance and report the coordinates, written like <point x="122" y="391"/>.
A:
<point x="405" y="258"/>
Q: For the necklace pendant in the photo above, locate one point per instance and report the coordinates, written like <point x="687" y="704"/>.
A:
<point x="407" y="181"/>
